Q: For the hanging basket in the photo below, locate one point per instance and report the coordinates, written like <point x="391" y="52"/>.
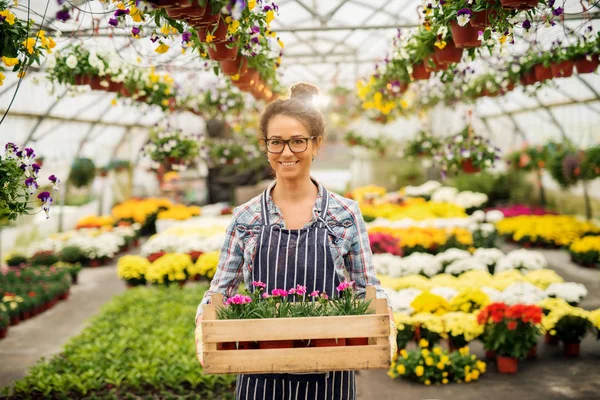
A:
<point x="220" y="33"/>
<point x="209" y="18"/>
<point x="542" y="73"/>
<point x="481" y="19"/>
<point x="248" y="78"/>
<point x="222" y="53"/>
<point x="448" y="55"/>
<point x="468" y="168"/>
<point x="519" y="4"/>
<point x="585" y="66"/>
<point x="437" y="66"/>
<point x="237" y="66"/>
<point x="81" y="80"/>
<point x="562" y="69"/>
<point x="528" y="78"/>
<point x="420" y="73"/>
<point x="464" y="37"/>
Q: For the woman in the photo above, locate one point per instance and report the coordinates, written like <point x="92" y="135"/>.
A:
<point x="296" y="232"/>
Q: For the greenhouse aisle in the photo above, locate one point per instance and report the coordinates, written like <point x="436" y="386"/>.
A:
<point x="27" y="342"/>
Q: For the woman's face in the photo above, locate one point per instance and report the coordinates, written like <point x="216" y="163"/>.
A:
<point x="290" y="165"/>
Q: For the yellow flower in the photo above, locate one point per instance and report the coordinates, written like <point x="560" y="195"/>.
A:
<point x="464" y="351"/>
<point x="423" y="343"/>
<point x="440" y="365"/>
<point x="132" y="267"/>
<point x="2" y="76"/>
<point x="444" y="359"/>
<point x="437" y="350"/>
<point x="401" y="369"/>
<point x="235" y="77"/>
<point x="425" y="353"/>
<point x="113" y="102"/>
<point x="481" y="366"/>
<point x="404" y="353"/>
<point x="440" y="44"/>
<point x="165" y="29"/>
<point x="209" y="37"/>
<point x="444" y="374"/>
<point x="502" y="39"/>
<point x="280" y="43"/>
<point x="251" y="4"/>
<point x="10" y="62"/>
<point x="475" y="374"/>
<point x="136" y="14"/>
<point x="468" y="378"/>
<point x="21" y="74"/>
<point x="419" y="370"/>
<point x="29" y="44"/>
<point x="233" y="27"/>
<point x="8" y="16"/>
<point x="427" y="382"/>
<point x="270" y="16"/>
<point x="162" y="48"/>
<point x="429" y="361"/>
<point x="165" y="102"/>
<point x="444" y="381"/>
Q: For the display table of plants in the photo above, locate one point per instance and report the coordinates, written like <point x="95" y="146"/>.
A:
<point x="27" y="291"/>
<point x="151" y="354"/>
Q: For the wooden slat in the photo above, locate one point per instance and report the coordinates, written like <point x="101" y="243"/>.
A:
<point x="382" y="308"/>
<point x="315" y="359"/>
<point x="218" y="331"/>
<point x="208" y="314"/>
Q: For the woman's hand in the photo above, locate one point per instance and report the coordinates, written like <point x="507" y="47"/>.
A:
<point x="198" y="338"/>
<point x="393" y="334"/>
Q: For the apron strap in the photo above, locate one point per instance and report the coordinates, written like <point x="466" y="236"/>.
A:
<point x="263" y="209"/>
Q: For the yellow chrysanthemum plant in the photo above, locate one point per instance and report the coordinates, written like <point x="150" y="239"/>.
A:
<point x="205" y="266"/>
<point x="429" y="329"/>
<point x="595" y="319"/>
<point x="142" y="211"/>
<point x="461" y="328"/>
<point x="180" y="212"/>
<point x="170" y="268"/>
<point x="469" y="300"/>
<point x="133" y="269"/>
<point x="21" y="45"/>
<point x="566" y="323"/>
<point x="586" y="251"/>
<point x="436" y="366"/>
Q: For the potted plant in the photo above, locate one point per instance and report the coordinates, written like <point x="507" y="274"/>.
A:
<point x="570" y="325"/>
<point x="132" y="269"/>
<point x="171" y="148"/>
<point x="82" y="172"/>
<point x="511" y="332"/>
<point x="424" y="144"/>
<point x="169" y="269"/>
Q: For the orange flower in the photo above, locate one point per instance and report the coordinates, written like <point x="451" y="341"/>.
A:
<point x="512" y="325"/>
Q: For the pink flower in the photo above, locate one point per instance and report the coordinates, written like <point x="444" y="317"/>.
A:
<point x="259" y="284"/>
<point x="315" y="293"/>
<point x="300" y="290"/>
<point x="324" y="296"/>
<point x="292" y="291"/>
<point x="345" y="285"/>
<point x="265" y="295"/>
<point x="279" y="292"/>
<point x="239" y="299"/>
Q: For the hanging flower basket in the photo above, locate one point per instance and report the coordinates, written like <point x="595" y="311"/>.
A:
<point x="464" y="36"/>
<point x="220" y="33"/>
<point x="209" y="18"/>
<point x="467" y="167"/>
<point x="449" y="54"/>
<point x="249" y="77"/>
<point x="519" y="4"/>
<point x="481" y="19"/>
<point x="528" y="78"/>
<point x="585" y="66"/>
<point x="81" y="80"/>
<point x="507" y="365"/>
<point x="563" y="69"/>
<point x="237" y="66"/>
<point x="420" y="73"/>
<point x="436" y="65"/>
<point x="542" y="73"/>
<point x="222" y="53"/>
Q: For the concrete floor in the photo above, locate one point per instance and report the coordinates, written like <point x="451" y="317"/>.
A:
<point x="549" y="377"/>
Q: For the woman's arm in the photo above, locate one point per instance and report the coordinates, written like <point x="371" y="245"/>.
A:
<point x="229" y="272"/>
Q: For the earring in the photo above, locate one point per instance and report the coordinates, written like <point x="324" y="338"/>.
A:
<point x="313" y="158"/>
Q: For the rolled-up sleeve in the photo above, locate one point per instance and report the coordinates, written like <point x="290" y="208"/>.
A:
<point x="359" y="259"/>
<point x="229" y="272"/>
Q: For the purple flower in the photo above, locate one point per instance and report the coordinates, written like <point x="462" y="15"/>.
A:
<point x="526" y="24"/>
<point x="153" y="38"/>
<point x="558" y="11"/>
<point x="551" y="3"/>
<point x="186" y="36"/>
<point x="120" y="12"/>
<point x="255" y="29"/>
<point x="464" y="11"/>
<point x="29" y="152"/>
<point x="55" y="181"/>
<point x="135" y="31"/>
<point x="255" y="40"/>
<point x="114" y="22"/>
<point x="31" y="185"/>
<point x="35" y="168"/>
<point x="44" y="196"/>
<point x="63" y="15"/>
<point x="47" y="201"/>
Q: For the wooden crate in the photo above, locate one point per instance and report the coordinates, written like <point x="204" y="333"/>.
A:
<point x="375" y="355"/>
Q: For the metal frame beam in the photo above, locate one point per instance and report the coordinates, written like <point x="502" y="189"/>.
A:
<point x="540" y="107"/>
<point x="76" y="120"/>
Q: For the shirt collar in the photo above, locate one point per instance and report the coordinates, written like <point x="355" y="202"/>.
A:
<point x="273" y="208"/>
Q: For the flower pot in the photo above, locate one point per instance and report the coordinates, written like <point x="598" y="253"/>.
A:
<point x="585" y="66"/>
<point x="81" y="80"/>
<point x="136" y="242"/>
<point x="361" y="341"/>
<point x="236" y="346"/>
<point x="276" y="344"/>
<point x="208" y="18"/>
<point x="528" y="78"/>
<point x="95" y="83"/>
<point x="551" y="340"/>
<point x="222" y="53"/>
<point x="237" y="66"/>
<point x="448" y="55"/>
<point x="74" y="279"/>
<point x="490" y="354"/>
<point x="571" y="349"/>
<point x="220" y="33"/>
<point x="507" y="365"/>
<point x="15" y="320"/>
<point x="467" y="167"/>
<point x="65" y="295"/>
<point x="3" y="332"/>
<point x="329" y="342"/>
<point x="532" y="353"/>
<point x="155" y="256"/>
<point x="195" y="254"/>
<point x="542" y="73"/>
<point x="249" y="77"/>
<point x="481" y="19"/>
<point x="519" y="4"/>
<point x="464" y="36"/>
<point x="563" y="69"/>
<point x="26" y="315"/>
<point x="420" y="73"/>
<point x="300" y="344"/>
<point x="94" y="263"/>
<point x="181" y="283"/>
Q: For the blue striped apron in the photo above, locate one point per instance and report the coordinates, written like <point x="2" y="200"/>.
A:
<point x="286" y="258"/>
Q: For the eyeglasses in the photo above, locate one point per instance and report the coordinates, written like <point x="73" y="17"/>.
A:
<point x="296" y="145"/>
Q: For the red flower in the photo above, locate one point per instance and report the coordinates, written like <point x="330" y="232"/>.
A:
<point x="512" y="325"/>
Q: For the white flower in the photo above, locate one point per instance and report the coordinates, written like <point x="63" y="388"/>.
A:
<point x="458" y="139"/>
<point x="494" y="216"/>
<point x="488" y="256"/>
<point x="463" y="19"/>
<point x="445" y="194"/>
<point x="494" y="294"/>
<point x="522" y="293"/>
<point x="451" y="255"/>
<point x="468" y="264"/>
<point x="571" y="292"/>
<point x="424" y="190"/>
<point x="72" y="61"/>
<point x="50" y="61"/>
<point x="445" y="292"/>
<point x="401" y="300"/>
<point x="522" y="259"/>
<point x="478" y="216"/>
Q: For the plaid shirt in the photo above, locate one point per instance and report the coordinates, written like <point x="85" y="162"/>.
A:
<point x="351" y="251"/>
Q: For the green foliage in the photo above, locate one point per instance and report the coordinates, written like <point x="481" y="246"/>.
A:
<point x="46" y="258"/>
<point x="82" y="172"/>
<point x="423" y="145"/>
<point x="572" y="328"/>
<point x="564" y="164"/>
<point x="72" y="255"/>
<point x="500" y="188"/>
<point x="590" y="164"/>
<point x="13" y="197"/>
<point x="129" y="349"/>
<point x="16" y="259"/>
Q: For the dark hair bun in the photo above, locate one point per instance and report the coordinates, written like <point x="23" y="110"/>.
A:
<point x="303" y="91"/>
